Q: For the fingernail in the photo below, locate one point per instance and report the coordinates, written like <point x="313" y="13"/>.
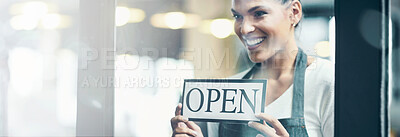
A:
<point x="185" y="119"/>
<point x="250" y="124"/>
<point x="195" y="133"/>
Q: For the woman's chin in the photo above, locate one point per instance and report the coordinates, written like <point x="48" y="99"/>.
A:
<point x="258" y="58"/>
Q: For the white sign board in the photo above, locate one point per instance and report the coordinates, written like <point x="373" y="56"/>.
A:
<point x="233" y="100"/>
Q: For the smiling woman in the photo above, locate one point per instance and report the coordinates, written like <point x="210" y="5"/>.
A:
<point x="268" y="23"/>
<point x="300" y="88"/>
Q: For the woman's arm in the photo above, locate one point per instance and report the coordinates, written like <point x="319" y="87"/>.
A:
<point x="328" y="112"/>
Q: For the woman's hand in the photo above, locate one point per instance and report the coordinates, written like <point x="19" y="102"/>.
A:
<point x="277" y="130"/>
<point x="182" y="127"/>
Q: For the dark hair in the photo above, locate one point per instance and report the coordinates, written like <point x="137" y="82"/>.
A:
<point x="285" y="1"/>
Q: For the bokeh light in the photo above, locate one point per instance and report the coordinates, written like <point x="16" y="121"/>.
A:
<point x="24" y="22"/>
<point x="136" y="15"/>
<point x="175" y="20"/>
<point x="51" y="21"/>
<point x="26" y="73"/>
<point x="322" y="49"/>
<point x="35" y="9"/>
<point x="221" y="28"/>
<point x="122" y="16"/>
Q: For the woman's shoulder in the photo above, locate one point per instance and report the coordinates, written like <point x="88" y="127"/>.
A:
<point x="322" y="70"/>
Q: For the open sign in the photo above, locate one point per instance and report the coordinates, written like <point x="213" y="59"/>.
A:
<point x="223" y="99"/>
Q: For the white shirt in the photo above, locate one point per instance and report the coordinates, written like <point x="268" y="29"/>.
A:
<point x="318" y="101"/>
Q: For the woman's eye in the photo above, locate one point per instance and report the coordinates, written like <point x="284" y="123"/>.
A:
<point x="237" y="16"/>
<point x="259" y="13"/>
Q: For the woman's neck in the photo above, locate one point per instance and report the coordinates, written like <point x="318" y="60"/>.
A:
<point x="281" y="64"/>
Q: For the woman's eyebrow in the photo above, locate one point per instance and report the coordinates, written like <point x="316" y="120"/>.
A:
<point x="252" y="9"/>
<point x="258" y="7"/>
<point x="233" y="11"/>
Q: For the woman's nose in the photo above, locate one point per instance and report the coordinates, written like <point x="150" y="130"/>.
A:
<point x="247" y="27"/>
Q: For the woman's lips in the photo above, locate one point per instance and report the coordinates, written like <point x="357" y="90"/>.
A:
<point x="254" y="42"/>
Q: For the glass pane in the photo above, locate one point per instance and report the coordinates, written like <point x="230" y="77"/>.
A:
<point x="394" y="68"/>
<point x="38" y="67"/>
<point x="160" y="43"/>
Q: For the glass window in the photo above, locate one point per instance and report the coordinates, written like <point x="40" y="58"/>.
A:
<point x="159" y="44"/>
<point x="394" y="67"/>
<point x="38" y="67"/>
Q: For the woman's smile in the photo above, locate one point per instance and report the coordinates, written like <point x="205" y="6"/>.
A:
<point x="254" y="43"/>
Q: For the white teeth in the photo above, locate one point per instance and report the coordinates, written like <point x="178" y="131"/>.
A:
<point x="254" y="42"/>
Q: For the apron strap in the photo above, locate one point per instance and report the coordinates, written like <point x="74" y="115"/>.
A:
<point x="298" y="82"/>
<point x="252" y="70"/>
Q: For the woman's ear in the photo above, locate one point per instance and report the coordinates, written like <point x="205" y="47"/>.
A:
<point x="296" y="9"/>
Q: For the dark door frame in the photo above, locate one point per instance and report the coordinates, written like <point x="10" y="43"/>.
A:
<point x="361" y="79"/>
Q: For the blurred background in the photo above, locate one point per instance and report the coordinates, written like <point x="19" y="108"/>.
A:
<point x="38" y="67"/>
<point x="158" y="43"/>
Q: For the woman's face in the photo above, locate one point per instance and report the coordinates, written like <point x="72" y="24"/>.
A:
<point x="264" y="26"/>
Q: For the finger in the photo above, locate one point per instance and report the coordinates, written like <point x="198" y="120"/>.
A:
<point x="266" y="130"/>
<point x="180" y="135"/>
<point x="178" y="109"/>
<point x="183" y="125"/>
<point x="280" y="130"/>
<point x="175" y="120"/>
<point x="259" y="135"/>
<point x="181" y="130"/>
<point x="194" y="127"/>
<point x="265" y="123"/>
